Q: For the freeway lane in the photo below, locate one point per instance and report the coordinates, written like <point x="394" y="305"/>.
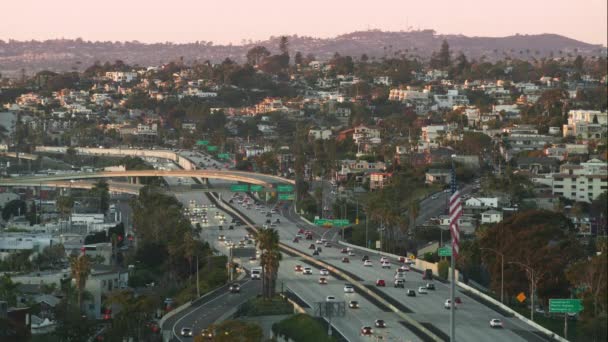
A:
<point x="472" y="317"/>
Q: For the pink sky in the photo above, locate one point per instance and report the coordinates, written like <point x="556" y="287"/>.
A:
<point x="234" y="20"/>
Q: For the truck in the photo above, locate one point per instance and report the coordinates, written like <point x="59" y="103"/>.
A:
<point x="256" y="272"/>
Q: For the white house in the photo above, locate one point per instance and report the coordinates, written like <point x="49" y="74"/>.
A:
<point x="491" y="216"/>
<point x="320" y="134"/>
<point x="451" y="99"/>
<point x="486" y="202"/>
<point x="582" y="183"/>
<point x="586" y="124"/>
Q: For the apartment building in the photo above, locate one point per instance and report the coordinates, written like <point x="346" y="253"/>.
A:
<point x="586" y="125"/>
<point x="581" y="183"/>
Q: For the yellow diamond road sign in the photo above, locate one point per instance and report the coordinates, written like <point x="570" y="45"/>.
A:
<point x="521" y="297"/>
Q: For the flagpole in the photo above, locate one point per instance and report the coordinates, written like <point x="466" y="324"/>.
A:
<point x="453" y="273"/>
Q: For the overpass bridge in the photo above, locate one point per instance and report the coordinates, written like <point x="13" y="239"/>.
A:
<point x="268" y="181"/>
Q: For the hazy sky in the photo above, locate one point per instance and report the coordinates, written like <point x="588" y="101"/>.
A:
<point x="234" y="20"/>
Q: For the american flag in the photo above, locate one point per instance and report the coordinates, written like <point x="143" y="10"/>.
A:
<point x="455" y="213"/>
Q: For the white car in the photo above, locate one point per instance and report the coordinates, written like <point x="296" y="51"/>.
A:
<point x="318" y="241"/>
<point x="351" y="253"/>
<point x="386" y="264"/>
<point x="383" y="259"/>
<point x="349" y="288"/>
<point x="186" y="331"/>
<point x="367" y="263"/>
<point x="330" y="299"/>
<point x="422" y="290"/>
<point x="404" y="268"/>
<point x="307" y="270"/>
<point x="324" y="272"/>
<point x="495" y="323"/>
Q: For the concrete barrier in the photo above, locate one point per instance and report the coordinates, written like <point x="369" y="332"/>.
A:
<point x="172" y="313"/>
<point x="345" y="276"/>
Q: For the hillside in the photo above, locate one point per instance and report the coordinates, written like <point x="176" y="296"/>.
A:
<point x="65" y="55"/>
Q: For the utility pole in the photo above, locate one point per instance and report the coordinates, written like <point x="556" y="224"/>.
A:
<point x="532" y="290"/>
<point x="198" y="290"/>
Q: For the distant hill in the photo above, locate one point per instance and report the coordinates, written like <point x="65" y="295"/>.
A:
<point x="65" y="55"/>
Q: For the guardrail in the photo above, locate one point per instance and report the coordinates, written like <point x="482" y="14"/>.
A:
<point x="402" y="315"/>
<point x="172" y="313"/>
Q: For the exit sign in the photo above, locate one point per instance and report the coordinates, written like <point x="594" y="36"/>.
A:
<point x="565" y="305"/>
<point x="284" y="188"/>
<point x="444" y="251"/>
<point x="239" y="187"/>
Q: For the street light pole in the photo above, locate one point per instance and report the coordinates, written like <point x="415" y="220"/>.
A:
<point x="502" y="272"/>
<point x="198" y="291"/>
<point x="531" y="271"/>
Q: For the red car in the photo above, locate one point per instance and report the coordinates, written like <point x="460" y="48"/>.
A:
<point x="298" y="268"/>
<point x="366" y="331"/>
<point x="343" y="251"/>
<point x="380" y="282"/>
<point x="323" y="281"/>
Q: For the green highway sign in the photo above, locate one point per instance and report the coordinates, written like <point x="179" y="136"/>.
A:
<point x="444" y="251"/>
<point x="223" y="155"/>
<point x="211" y="148"/>
<point x="239" y="187"/>
<point x="285" y="188"/>
<point x="565" y="305"/>
<point x="202" y="142"/>
<point x="287" y="197"/>
<point x="329" y="222"/>
<point x="256" y="188"/>
<point x="341" y="223"/>
<point x="323" y="222"/>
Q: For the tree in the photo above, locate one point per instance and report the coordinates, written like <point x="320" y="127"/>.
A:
<point x="541" y="240"/>
<point x="8" y="290"/>
<point x="13" y="208"/>
<point x="135" y="312"/>
<point x="101" y="191"/>
<point x="81" y="268"/>
<point x="65" y="205"/>
<point x="298" y="58"/>
<point x="590" y="283"/>
<point x="256" y="54"/>
<point x="268" y="243"/>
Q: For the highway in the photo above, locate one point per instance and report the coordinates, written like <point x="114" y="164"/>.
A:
<point x="472" y="317"/>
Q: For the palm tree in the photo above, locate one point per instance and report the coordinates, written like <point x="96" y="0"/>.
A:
<point x="268" y="243"/>
<point x="81" y="268"/>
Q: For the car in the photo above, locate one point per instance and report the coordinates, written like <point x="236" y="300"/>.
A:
<point x="422" y="290"/>
<point x="296" y="240"/>
<point x="220" y="227"/>
<point x="319" y="249"/>
<point x="428" y="274"/>
<point x="351" y="253"/>
<point x="301" y="231"/>
<point x="319" y="241"/>
<point x="383" y="259"/>
<point x="343" y="251"/>
<point x="207" y="334"/>
<point x="366" y="331"/>
<point x="386" y="264"/>
<point x="348" y="288"/>
<point x="298" y="268"/>
<point x="186" y="331"/>
<point x="277" y="221"/>
<point x="269" y="215"/>
<point x="457" y="300"/>
<point x="234" y="288"/>
<point x="308" y="236"/>
<point x="221" y="238"/>
<point x="323" y="281"/>
<point x="315" y="253"/>
<point x="380" y="282"/>
<point x="367" y="263"/>
<point x="400" y="283"/>
<point x="434" y="197"/>
<point x="345" y="260"/>
<point x="312" y="246"/>
<point x="430" y="286"/>
<point x="447" y="304"/>
<point x="230" y="227"/>
<point x="307" y="270"/>
<point x="379" y="323"/>
<point x="365" y="257"/>
<point x="410" y="293"/>
<point x="330" y="299"/>
<point x="353" y="304"/>
<point x="327" y="244"/>
<point x="324" y="272"/>
<point x="495" y="323"/>
<point x="404" y="268"/>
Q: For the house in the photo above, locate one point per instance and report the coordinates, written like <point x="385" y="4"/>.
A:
<point x="11" y="243"/>
<point x="537" y="165"/>
<point x="319" y="134"/>
<point x="481" y="202"/>
<point x="362" y="134"/>
<point x="438" y="176"/>
<point x="121" y="76"/>
<point x="377" y="180"/>
<point x="451" y="99"/>
<point x="491" y="216"/>
<point x="383" y="80"/>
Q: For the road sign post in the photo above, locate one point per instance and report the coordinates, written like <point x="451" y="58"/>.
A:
<point x="565" y="306"/>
